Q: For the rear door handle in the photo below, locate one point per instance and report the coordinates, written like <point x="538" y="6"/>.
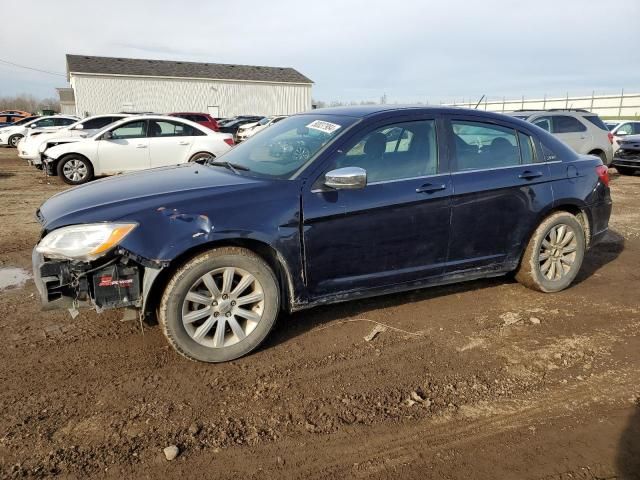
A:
<point x="141" y="145"/>
<point x="431" y="188"/>
<point x="184" y="142"/>
<point x="529" y="175"/>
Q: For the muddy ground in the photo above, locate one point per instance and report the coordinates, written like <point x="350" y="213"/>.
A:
<point x="480" y="380"/>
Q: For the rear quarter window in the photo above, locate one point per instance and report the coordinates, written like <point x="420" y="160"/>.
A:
<point x="597" y="121"/>
<point x="566" y="124"/>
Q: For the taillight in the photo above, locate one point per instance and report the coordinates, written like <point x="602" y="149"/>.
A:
<point x="610" y="135"/>
<point x="603" y="174"/>
<point x="229" y="141"/>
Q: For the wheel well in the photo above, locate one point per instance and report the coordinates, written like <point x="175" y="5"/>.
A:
<point x="579" y="213"/>
<point x="596" y="151"/>
<point x="265" y="251"/>
<point x="198" y="153"/>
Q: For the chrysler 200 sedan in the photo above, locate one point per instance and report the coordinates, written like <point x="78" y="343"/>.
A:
<point x="326" y="206"/>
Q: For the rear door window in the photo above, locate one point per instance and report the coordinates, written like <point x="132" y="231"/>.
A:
<point x="165" y="128"/>
<point x="566" y="124"/>
<point x="483" y="146"/>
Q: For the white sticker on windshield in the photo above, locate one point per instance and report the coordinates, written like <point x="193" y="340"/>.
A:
<point x="326" y="127"/>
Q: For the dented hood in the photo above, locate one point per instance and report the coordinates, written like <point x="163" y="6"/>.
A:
<point x="128" y="196"/>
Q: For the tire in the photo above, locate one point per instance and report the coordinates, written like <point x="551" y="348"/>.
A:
<point x="200" y="337"/>
<point x="13" y="140"/>
<point x="75" y="170"/>
<point x="626" y="170"/>
<point x="542" y="274"/>
<point x="202" y="157"/>
<point x="602" y="157"/>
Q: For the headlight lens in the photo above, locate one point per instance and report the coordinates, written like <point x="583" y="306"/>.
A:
<point x="42" y="148"/>
<point x="84" y="242"/>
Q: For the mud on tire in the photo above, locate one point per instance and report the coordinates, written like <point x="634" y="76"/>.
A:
<point x="193" y="281"/>
<point x="554" y="254"/>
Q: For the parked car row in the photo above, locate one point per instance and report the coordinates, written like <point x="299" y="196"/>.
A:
<point x="8" y="117"/>
<point x="12" y="134"/>
<point x="110" y="144"/>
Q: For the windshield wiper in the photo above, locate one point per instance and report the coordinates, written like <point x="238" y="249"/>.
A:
<point x="234" y="167"/>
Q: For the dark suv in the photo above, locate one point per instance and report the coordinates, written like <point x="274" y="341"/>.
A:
<point x="377" y="200"/>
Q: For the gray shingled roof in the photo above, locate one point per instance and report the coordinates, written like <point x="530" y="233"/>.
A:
<point x="165" y="68"/>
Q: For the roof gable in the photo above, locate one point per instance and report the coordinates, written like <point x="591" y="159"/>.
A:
<point x="166" y="68"/>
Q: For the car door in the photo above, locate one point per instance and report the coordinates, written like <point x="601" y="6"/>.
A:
<point x="126" y="150"/>
<point x="396" y="228"/>
<point x="500" y="186"/>
<point x="169" y="142"/>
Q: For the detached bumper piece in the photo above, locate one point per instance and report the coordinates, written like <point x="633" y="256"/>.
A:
<point x="62" y="283"/>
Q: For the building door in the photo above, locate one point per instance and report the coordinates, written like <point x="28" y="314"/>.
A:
<point x="214" y="111"/>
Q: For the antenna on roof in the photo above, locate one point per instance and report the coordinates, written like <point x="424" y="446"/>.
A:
<point x="479" y="102"/>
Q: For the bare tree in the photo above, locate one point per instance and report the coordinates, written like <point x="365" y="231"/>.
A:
<point x="29" y="103"/>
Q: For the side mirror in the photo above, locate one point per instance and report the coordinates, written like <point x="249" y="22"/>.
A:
<point x="79" y="127"/>
<point x="346" y="178"/>
<point x="107" y="135"/>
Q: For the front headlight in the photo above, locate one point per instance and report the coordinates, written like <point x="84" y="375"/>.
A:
<point x="42" y="148"/>
<point x="84" y="242"/>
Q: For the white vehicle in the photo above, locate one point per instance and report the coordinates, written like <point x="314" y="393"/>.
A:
<point x="135" y="143"/>
<point x="621" y="128"/>
<point x="11" y="135"/>
<point x="30" y="148"/>
<point x="582" y="130"/>
<point x="250" y="129"/>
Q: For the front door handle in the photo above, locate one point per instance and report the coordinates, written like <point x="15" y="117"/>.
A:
<point x="431" y="188"/>
<point x="141" y="145"/>
<point x="529" y="175"/>
<point x="183" y="143"/>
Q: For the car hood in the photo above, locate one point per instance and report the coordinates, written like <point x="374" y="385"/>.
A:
<point x="123" y="196"/>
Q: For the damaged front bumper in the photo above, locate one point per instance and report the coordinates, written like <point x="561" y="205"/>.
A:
<point x="117" y="282"/>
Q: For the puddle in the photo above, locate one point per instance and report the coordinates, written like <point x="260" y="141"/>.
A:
<point x="13" y="277"/>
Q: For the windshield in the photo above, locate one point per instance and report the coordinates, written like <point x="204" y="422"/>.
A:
<point x="264" y="121"/>
<point x="280" y="150"/>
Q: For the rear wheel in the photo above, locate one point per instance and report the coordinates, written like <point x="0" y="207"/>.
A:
<point x="554" y="254"/>
<point x="14" y="139"/>
<point x="626" y="170"/>
<point x="75" y="170"/>
<point x="601" y="155"/>
<point x="220" y="306"/>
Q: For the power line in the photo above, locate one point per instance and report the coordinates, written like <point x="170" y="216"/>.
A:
<point x="31" y="68"/>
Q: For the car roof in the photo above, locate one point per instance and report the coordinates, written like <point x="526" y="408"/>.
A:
<point x="362" y="111"/>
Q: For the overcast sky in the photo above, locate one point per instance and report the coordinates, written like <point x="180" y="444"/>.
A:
<point x="412" y="50"/>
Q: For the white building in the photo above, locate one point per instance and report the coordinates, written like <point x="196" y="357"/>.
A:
<point x="108" y="85"/>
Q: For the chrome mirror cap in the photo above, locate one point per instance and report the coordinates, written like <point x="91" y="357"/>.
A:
<point x="346" y="178"/>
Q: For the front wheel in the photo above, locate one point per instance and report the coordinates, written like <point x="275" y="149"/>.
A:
<point x="14" y="139"/>
<point x="554" y="254"/>
<point x="75" y="170"/>
<point x="220" y="306"/>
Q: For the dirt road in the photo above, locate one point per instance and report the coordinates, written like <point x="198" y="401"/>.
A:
<point x="481" y="380"/>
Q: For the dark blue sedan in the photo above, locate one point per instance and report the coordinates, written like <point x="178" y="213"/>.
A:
<point x="323" y="207"/>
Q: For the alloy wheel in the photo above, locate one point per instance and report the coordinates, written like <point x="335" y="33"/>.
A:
<point x="75" y="170"/>
<point x="223" y="307"/>
<point x="558" y="252"/>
